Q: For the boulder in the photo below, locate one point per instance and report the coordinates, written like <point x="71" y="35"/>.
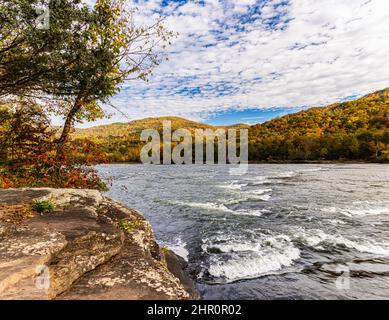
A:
<point x="88" y="247"/>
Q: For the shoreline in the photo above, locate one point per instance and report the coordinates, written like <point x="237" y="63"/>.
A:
<point x="270" y="162"/>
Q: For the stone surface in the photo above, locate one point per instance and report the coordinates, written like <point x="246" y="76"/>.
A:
<point x="81" y="251"/>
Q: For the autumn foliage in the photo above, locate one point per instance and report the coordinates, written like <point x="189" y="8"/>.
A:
<point x="28" y="152"/>
<point x="72" y="66"/>
<point x="352" y="130"/>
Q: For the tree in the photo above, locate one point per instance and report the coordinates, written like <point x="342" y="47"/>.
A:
<point x="34" y="58"/>
<point x="80" y="60"/>
<point x="114" y="50"/>
<point x="27" y="152"/>
<point x="25" y="131"/>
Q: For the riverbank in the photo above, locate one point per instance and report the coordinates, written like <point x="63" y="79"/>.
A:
<point x="270" y="162"/>
<point x="318" y="162"/>
<point x="77" y="244"/>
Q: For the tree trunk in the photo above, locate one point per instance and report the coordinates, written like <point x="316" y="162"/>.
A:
<point x="68" y="125"/>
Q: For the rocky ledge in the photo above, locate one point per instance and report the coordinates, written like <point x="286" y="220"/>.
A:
<point x="87" y="247"/>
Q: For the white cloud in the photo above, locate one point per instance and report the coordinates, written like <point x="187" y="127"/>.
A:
<point x="262" y="54"/>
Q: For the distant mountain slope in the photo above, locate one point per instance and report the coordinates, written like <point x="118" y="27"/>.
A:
<point x="120" y="142"/>
<point x="136" y="126"/>
<point x="356" y="130"/>
<point x="352" y="130"/>
<point x="378" y="95"/>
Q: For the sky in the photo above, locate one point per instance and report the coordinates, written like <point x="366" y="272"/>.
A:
<point x="247" y="61"/>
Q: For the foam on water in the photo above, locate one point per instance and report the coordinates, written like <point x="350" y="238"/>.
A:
<point x="330" y="209"/>
<point x="318" y="239"/>
<point x="284" y="175"/>
<point x="358" y="211"/>
<point x="235" y="196"/>
<point x="265" y="197"/>
<point x="337" y="222"/>
<point x="311" y="170"/>
<point x="209" y="206"/>
<point x="251" y="212"/>
<point x="252" y="195"/>
<point x="240" y="258"/>
<point x="234" y="185"/>
<point x="365" y="211"/>
<point x="260" y="191"/>
<point x="270" y="179"/>
<point x="257" y="181"/>
<point x="179" y="248"/>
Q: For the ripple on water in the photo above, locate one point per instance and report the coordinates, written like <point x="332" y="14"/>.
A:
<point x="274" y="220"/>
<point x="233" y="258"/>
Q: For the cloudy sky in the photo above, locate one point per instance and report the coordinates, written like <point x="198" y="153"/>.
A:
<point x="250" y="60"/>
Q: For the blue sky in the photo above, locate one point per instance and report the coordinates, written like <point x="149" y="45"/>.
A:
<point x="248" y="61"/>
<point x="248" y="116"/>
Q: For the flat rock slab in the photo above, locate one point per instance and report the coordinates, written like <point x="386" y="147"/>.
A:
<point x="81" y="251"/>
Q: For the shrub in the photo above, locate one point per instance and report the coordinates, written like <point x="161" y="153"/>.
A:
<point x="128" y="226"/>
<point x="5" y="183"/>
<point x="43" y="207"/>
<point x="28" y="156"/>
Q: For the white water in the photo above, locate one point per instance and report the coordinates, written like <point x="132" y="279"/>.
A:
<point x="265" y="234"/>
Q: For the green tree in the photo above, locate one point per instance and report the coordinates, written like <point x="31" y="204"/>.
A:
<point x="35" y="58"/>
<point x="114" y="50"/>
<point x="80" y="60"/>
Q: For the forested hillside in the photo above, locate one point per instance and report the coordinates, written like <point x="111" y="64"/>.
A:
<point x="120" y="142"/>
<point x="354" y="130"/>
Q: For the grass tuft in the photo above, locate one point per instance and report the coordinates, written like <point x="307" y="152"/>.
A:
<point x="129" y="226"/>
<point x="43" y="207"/>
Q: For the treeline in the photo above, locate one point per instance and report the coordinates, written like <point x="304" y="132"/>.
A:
<point x="355" y="130"/>
<point x="121" y="142"/>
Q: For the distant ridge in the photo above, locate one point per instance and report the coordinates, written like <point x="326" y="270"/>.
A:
<point x="363" y="103"/>
<point x="355" y="130"/>
<point x="381" y="94"/>
<point x="136" y="126"/>
<point x="351" y="130"/>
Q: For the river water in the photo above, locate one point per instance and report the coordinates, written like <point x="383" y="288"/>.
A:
<point x="277" y="232"/>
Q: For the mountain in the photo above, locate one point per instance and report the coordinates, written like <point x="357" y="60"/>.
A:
<point x="378" y="95"/>
<point x="352" y="130"/>
<point x="120" y="142"/>
<point x="136" y="127"/>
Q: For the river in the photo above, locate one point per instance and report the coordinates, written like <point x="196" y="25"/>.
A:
<point x="295" y="231"/>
